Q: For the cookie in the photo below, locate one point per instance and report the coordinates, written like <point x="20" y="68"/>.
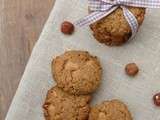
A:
<point x="114" y="30"/>
<point x="60" y="105"/>
<point x="110" y="110"/>
<point x="77" y="72"/>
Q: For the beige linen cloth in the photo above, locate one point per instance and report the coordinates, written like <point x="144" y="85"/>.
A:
<point x="135" y="92"/>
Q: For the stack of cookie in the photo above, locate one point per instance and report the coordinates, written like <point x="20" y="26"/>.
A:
<point x="78" y="74"/>
<point x="114" y="30"/>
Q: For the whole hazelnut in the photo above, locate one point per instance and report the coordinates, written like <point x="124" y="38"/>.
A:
<point x="67" y="28"/>
<point x="156" y="99"/>
<point x="131" y="69"/>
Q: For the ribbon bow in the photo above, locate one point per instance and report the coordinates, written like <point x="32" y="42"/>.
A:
<point x="102" y="8"/>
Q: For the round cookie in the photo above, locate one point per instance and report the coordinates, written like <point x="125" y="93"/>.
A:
<point x="60" y="105"/>
<point x="110" y="110"/>
<point x="77" y="72"/>
<point x="114" y="30"/>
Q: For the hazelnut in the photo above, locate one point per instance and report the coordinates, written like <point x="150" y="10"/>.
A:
<point x="156" y="99"/>
<point x="67" y="28"/>
<point x="131" y="69"/>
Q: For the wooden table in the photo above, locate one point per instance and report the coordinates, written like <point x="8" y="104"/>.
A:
<point x="21" y="22"/>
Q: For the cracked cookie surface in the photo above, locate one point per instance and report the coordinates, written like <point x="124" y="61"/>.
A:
<point x="110" y="110"/>
<point x="114" y="29"/>
<point x="60" y="105"/>
<point x="77" y="72"/>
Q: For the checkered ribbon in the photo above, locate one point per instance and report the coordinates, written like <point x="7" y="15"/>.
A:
<point x="102" y="8"/>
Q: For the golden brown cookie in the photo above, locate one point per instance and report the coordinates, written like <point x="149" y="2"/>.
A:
<point x="77" y="72"/>
<point x="60" y="105"/>
<point x="110" y="110"/>
<point x="114" y="29"/>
